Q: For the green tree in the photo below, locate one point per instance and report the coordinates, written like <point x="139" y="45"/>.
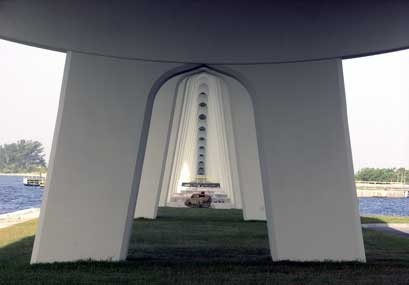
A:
<point x="22" y="156"/>
<point x="383" y="174"/>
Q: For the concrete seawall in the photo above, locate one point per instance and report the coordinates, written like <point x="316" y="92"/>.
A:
<point x="383" y="193"/>
<point x="13" y="218"/>
<point x="382" y="189"/>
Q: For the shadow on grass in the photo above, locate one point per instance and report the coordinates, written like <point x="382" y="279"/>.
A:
<point x="208" y="247"/>
<point x="370" y="222"/>
<point x="384" y="219"/>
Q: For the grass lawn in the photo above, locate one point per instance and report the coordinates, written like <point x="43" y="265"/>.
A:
<point x="384" y="220"/>
<point x="202" y="246"/>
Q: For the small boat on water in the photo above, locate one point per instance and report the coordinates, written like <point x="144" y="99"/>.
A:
<point x="36" y="181"/>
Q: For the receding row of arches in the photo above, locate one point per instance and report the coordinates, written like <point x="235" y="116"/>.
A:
<point x="202" y="134"/>
<point x="205" y="149"/>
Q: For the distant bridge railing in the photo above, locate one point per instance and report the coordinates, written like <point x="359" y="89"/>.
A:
<point x="379" y="182"/>
<point x="377" y="185"/>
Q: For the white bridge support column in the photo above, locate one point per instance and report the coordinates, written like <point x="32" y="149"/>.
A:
<point x="306" y="160"/>
<point x="156" y="150"/>
<point x="248" y="164"/>
<point x="96" y="159"/>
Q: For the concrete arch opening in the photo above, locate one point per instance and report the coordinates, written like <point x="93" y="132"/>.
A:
<point x="222" y="144"/>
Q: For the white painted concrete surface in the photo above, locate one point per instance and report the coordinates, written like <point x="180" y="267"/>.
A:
<point x="96" y="159"/>
<point x="246" y="148"/>
<point x="239" y="119"/>
<point x="303" y="146"/>
<point x="306" y="160"/>
<point x="169" y="159"/>
<point x="156" y="151"/>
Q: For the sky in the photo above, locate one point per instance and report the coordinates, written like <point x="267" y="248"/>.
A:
<point x="30" y="83"/>
<point x="377" y="93"/>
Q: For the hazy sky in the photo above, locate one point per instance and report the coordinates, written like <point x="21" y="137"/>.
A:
<point x="30" y="82"/>
<point x="377" y="90"/>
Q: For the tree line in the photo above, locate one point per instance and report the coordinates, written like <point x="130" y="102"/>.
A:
<point x="383" y="175"/>
<point x="28" y="156"/>
<point x="22" y="156"/>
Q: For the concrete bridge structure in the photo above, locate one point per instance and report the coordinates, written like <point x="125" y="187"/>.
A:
<point x="284" y="58"/>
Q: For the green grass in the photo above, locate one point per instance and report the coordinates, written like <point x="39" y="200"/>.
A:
<point x="384" y="220"/>
<point x="202" y="246"/>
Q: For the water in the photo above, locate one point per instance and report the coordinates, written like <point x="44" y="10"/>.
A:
<point x="384" y="206"/>
<point x="14" y="196"/>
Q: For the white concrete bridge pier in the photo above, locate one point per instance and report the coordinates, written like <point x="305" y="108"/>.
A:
<point x="306" y="160"/>
<point x="99" y="144"/>
<point x="96" y="158"/>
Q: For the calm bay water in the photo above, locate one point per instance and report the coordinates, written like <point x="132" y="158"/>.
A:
<point x="14" y="196"/>
<point x="384" y="206"/>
